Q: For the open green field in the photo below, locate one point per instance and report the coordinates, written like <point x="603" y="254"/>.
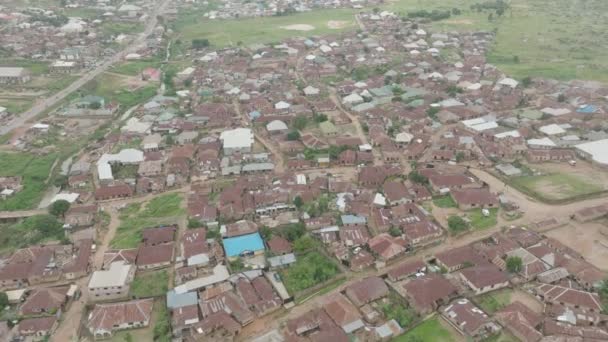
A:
<point x="113" y="88"/>
<point x="555" y="186"/>
<point x="445" y="202"/>
<point x="34" y="171"/>
<point x="561" y="39"/>
<point x="429" y="330"/>
<point x="494" y="301"/>
<point x="165" y="209"/>
<point x="150" y="284"/>
<point x="309" y="270"/>
<point x="478" y="221"/>
<point x="134" y="68"/>
<point x="16" y="105"/>
<point x="223" y="33"/>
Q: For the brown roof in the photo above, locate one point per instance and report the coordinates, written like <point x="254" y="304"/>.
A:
<point x="457" y="256"/>
<point x="395" y="191"/>
<point x="216" y="321"/>
<point x="33" y="325"/>
<point x="241" y="228"/>
<point x="386" y="246"/>
<point x="126" y="255"/>
<point x="465" y="316"/>
<point x="106" y="316"/>
<point x="480" y="197"/>
<point x="406" y="269"/>
<point x="80" y="262"/>
<point x="367" y="290"/>
<point x="551" y="327"/>
<point x="316" y="326"/>
<point x="424" y="292"/>
<point x="110" y="191"/>
<point x="44" y="300"/>
<point x="520" y="321"/>
<point x="149" y="255"/>
<point x="342" y="311"/>
<point x="279" y="245"/>
<point x="155" y="236"/>
<point x="569" y="296"/>
<point x="485" y="275"/>
<point x="194" y="242"/>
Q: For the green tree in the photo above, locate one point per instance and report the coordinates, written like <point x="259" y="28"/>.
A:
<point x="394" y="231"/>
<point x="297" y="201"/>
<point x="459" y="157"/>
<point x="293" y="135"/>
<point x="300" y="122"/>
<point x="193" y="223"/>
<point x="457" y="224"/>
<point x="237" y="265"/>
<point x="432" y="112"/>
<point x="3" y="300"/>
<point x="418" y="178"/>
<point x="60" y="181"/>
<point x="526" y="81"/>
<point x="514" y="264"/>
<point x="128" y="337"/>
<point x="304" y="244"/>
<point x="266" y="233"/>
<point x="561" y="98"/>
<point x="516" y="59"/>
<point x="294" y="231"/>
<point x="198" y="44"/>
<point x="59" y="208"/>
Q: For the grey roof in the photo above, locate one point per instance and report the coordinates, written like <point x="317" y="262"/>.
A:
<point x="175" y="300"/>
<point x="281" y="260"/>
<point x="353" y="219"/>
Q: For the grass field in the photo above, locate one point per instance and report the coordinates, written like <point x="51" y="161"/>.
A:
<point x="559" y="39"/>
<point x="165" y="209"/>
<point x="150" y="284"/>
<point x="555" y="186"/>
<point x="429" y="330"/>
<point x="444" y="202"/>
<point x="223" y="33"/>
<point x="309" y="270"/>
<point x="34" y="171"/>
<point x="109" y="86"/>
<point x="494" y="301"/>
<point x="478" y="221"/>
<point x="134" y="68"/>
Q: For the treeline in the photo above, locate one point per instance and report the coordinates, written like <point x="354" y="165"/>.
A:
<point x="434" y="14"/>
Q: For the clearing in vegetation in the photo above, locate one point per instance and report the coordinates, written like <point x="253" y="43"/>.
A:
<point x="150" y="284"/>
<point x="429" y="330"/>
<point x="162" y="210"/>
<point x="309" y="270"/>
<point x="34" y="171"/>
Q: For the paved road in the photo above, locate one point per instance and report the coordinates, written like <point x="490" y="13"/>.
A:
<point x="49" y="102"/>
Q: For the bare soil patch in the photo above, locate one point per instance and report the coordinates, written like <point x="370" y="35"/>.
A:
<point x="587" y="239"/>
<point x="337" y="24"/>
<point x="460" y="22"/>
<point x="298" y="27"/>
<point x="527" y="299"/>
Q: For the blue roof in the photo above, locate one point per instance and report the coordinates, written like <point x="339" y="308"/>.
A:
<point x="588" y="109"/>
<point x="175" y="300"/>
<point x="235" y="246"/>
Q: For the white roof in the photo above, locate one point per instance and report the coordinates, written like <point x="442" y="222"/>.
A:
<point x="12" y="71"/>
<point x="134" y="125"/>
<point x="117" y="275"/>
<point x="325" y="48"/>
<point x="352" y="99"/>
<point x="509" y="82"/>
<point x="541" y="142"/>
<point x="301" y="179"/>
<point x="512" y="134"/>
<point x="379" y="199"/>
<point x="282" y="105"/>
<point x="552" y="129"/>
<point x="404" y="137"/>
<point x="597" y="149"/>
<point x="237" y="138"/>
<point x="126" y="156"/>
<point x="310" y="90"/>
<point x="70" y="197"/>
<point x="276" y="125"/>
<point x="480" y="124"/>
<point x="555" y="111"/>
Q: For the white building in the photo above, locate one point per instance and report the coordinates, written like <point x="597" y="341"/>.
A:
<point x="596" y="151"/>
<point x="127" y="156"/>
<point x="237" y="140"/>
<point x="113" y="283"/>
